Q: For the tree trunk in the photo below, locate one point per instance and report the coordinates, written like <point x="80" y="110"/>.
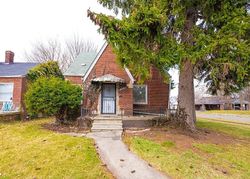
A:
<point x="186" y="79"/>
<point x="186" y="94"/>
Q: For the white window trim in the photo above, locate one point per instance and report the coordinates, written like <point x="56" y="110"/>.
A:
<point x="146" y="94"/>
<point x="3" y="83"/>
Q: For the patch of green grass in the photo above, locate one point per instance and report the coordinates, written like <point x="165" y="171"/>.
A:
<point x="225" y="157"/>
<point x="203" y="160"/>
<point x="231" y="129"/>
<point x="209" y="148"/>
<point x="28" y="151"/>
<point x="238" y="112"/>
<point x="213" y="161"/>
<point x="168" y="144"/>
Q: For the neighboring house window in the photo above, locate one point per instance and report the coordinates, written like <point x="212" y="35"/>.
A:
<point x="6" y="91"/>
<point x="140" y="93"/>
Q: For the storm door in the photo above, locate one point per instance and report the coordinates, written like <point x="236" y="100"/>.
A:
<point x="108" y="99"/>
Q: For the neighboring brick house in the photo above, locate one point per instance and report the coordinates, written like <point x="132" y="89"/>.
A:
<point x="114" y="89"/>
<point x="13" y="80"/>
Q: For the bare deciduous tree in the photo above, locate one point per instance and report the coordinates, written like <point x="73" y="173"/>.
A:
<point x="78" y="45"/>
<point x="63" y="53"/>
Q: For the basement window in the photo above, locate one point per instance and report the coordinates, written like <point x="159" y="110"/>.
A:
<point x="6" y="91"/>
<point x="140" y="93"/>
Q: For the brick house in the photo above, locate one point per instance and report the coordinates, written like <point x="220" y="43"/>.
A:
<point x="13" y="80"/>
<point x="112" y="89"/>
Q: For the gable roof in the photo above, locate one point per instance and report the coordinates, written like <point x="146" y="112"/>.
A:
<point x="15" y="69"/>
<point x="81" y="64"/>
<point x="105" y="45"/>
<point x="95" y="60"/>
<point x="86" y="61"/>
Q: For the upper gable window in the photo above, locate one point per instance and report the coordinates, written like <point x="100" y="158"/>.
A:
<point x="140" y="93"/>
<point x="6" y="91"/>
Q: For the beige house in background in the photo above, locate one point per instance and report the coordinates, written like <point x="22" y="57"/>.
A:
<point x="221" y="103"/>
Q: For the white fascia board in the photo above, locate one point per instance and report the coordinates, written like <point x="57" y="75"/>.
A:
<point x="130" y="75"/>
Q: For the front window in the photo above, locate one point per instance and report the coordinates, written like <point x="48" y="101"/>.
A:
<point x="6" y="91"/>
<point x="140" y="93"/>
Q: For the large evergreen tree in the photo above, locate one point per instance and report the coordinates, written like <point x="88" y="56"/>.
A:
<point x="206" y="39"/>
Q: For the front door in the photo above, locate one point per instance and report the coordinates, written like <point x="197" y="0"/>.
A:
<point x="108" y="99"/>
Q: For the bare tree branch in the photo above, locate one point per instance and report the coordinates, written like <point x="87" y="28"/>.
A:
<point x="64" y="53"/>
<point x="78" y="45"/>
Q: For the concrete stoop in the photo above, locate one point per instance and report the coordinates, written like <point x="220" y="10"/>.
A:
<point x="107" y="123"/>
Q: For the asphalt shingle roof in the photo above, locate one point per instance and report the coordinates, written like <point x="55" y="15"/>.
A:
<point x="15" y="69"/>
<point x="81" y="64"/>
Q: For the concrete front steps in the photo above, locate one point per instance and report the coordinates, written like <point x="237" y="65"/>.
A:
<point x="107" y="123"/>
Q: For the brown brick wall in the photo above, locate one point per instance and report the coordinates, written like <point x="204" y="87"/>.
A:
<point x="74" y="79"/>
<point x="107" y="65"/>
<point x="19" y="88"/>
<point x="158" y="93"/>
<point x="126" y="101"/>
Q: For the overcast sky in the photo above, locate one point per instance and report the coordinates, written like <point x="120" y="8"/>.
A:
<point x="23" y="22"/>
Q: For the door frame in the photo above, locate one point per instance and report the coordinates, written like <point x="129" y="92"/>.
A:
<point x="113" y="84"/>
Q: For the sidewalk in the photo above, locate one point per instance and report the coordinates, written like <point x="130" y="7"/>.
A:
<point x="119" y="160"/>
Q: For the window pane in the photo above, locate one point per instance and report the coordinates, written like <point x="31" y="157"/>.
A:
<point x="109" y="90"/>
<point x="6" y="92"/>
<point x="5" y="96"/>
<point x="139" y="92"/>
<point x="6" y="88"/>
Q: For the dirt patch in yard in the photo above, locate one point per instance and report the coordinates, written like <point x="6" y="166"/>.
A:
<point x="81" y="125"/>
<point x="64" y="128"/>
<point x="183" y="139"/>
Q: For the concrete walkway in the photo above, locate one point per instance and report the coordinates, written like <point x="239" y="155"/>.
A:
<point x="122" y="163"/>
<point x="226" y="117"/>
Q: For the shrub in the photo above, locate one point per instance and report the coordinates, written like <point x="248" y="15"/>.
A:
<point x="48" y="69"/>
<point x="53" y="96"/>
